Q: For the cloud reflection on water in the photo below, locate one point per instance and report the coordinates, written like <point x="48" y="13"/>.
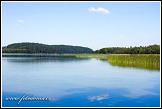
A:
<point x="98" y="97"/>
<point x="55" y="78"/>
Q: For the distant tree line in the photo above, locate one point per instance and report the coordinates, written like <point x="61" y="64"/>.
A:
<point x="151" y="49"/>
<point x="27" y="47"/>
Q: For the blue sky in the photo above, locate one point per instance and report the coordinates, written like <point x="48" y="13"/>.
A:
<point x="89" y="24"/>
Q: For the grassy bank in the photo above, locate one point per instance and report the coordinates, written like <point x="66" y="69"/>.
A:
<point x="145" y="61"/>
<point x="101" y="56"/>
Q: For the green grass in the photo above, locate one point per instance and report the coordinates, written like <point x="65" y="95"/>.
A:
<point x="101" y="56"/>
<point x="146" y="61"/>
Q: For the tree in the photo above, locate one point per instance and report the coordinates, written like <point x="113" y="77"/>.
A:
<point x="151" y="49"/>
<point x="42" y="48"/>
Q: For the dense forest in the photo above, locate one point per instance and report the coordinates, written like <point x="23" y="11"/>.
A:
<point x="27" y="47"/>
<point x="151" y="49"/>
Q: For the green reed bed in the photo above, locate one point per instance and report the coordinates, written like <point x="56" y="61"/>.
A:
<point x="101" y="56"/>
<point x="146" y="61"/>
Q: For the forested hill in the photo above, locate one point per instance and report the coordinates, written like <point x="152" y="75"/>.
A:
<point x="27" y="47"/>
<point x="151" y="49"/>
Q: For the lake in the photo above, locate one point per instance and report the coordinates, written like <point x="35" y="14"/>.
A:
<point x="76" y="82"/>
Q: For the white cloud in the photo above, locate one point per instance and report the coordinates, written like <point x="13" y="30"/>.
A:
<point x="100" y="10"/>
<point x="20" y="21"/>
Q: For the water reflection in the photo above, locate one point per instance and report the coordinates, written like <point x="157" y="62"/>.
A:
<point x="85" y="81"/>
<point x="33" y="55"/>
<point x="98" y="97"/>
<point x="44" y="59"/>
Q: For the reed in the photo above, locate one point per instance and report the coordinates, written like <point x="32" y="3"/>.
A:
<point x="101" y="56"/>
<point x="146" y="61"/>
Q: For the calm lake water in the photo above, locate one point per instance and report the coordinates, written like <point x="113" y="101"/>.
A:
<point x="76" y="82"/>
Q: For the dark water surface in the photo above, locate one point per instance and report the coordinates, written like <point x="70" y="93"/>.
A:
<point x="76" y="82"/>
